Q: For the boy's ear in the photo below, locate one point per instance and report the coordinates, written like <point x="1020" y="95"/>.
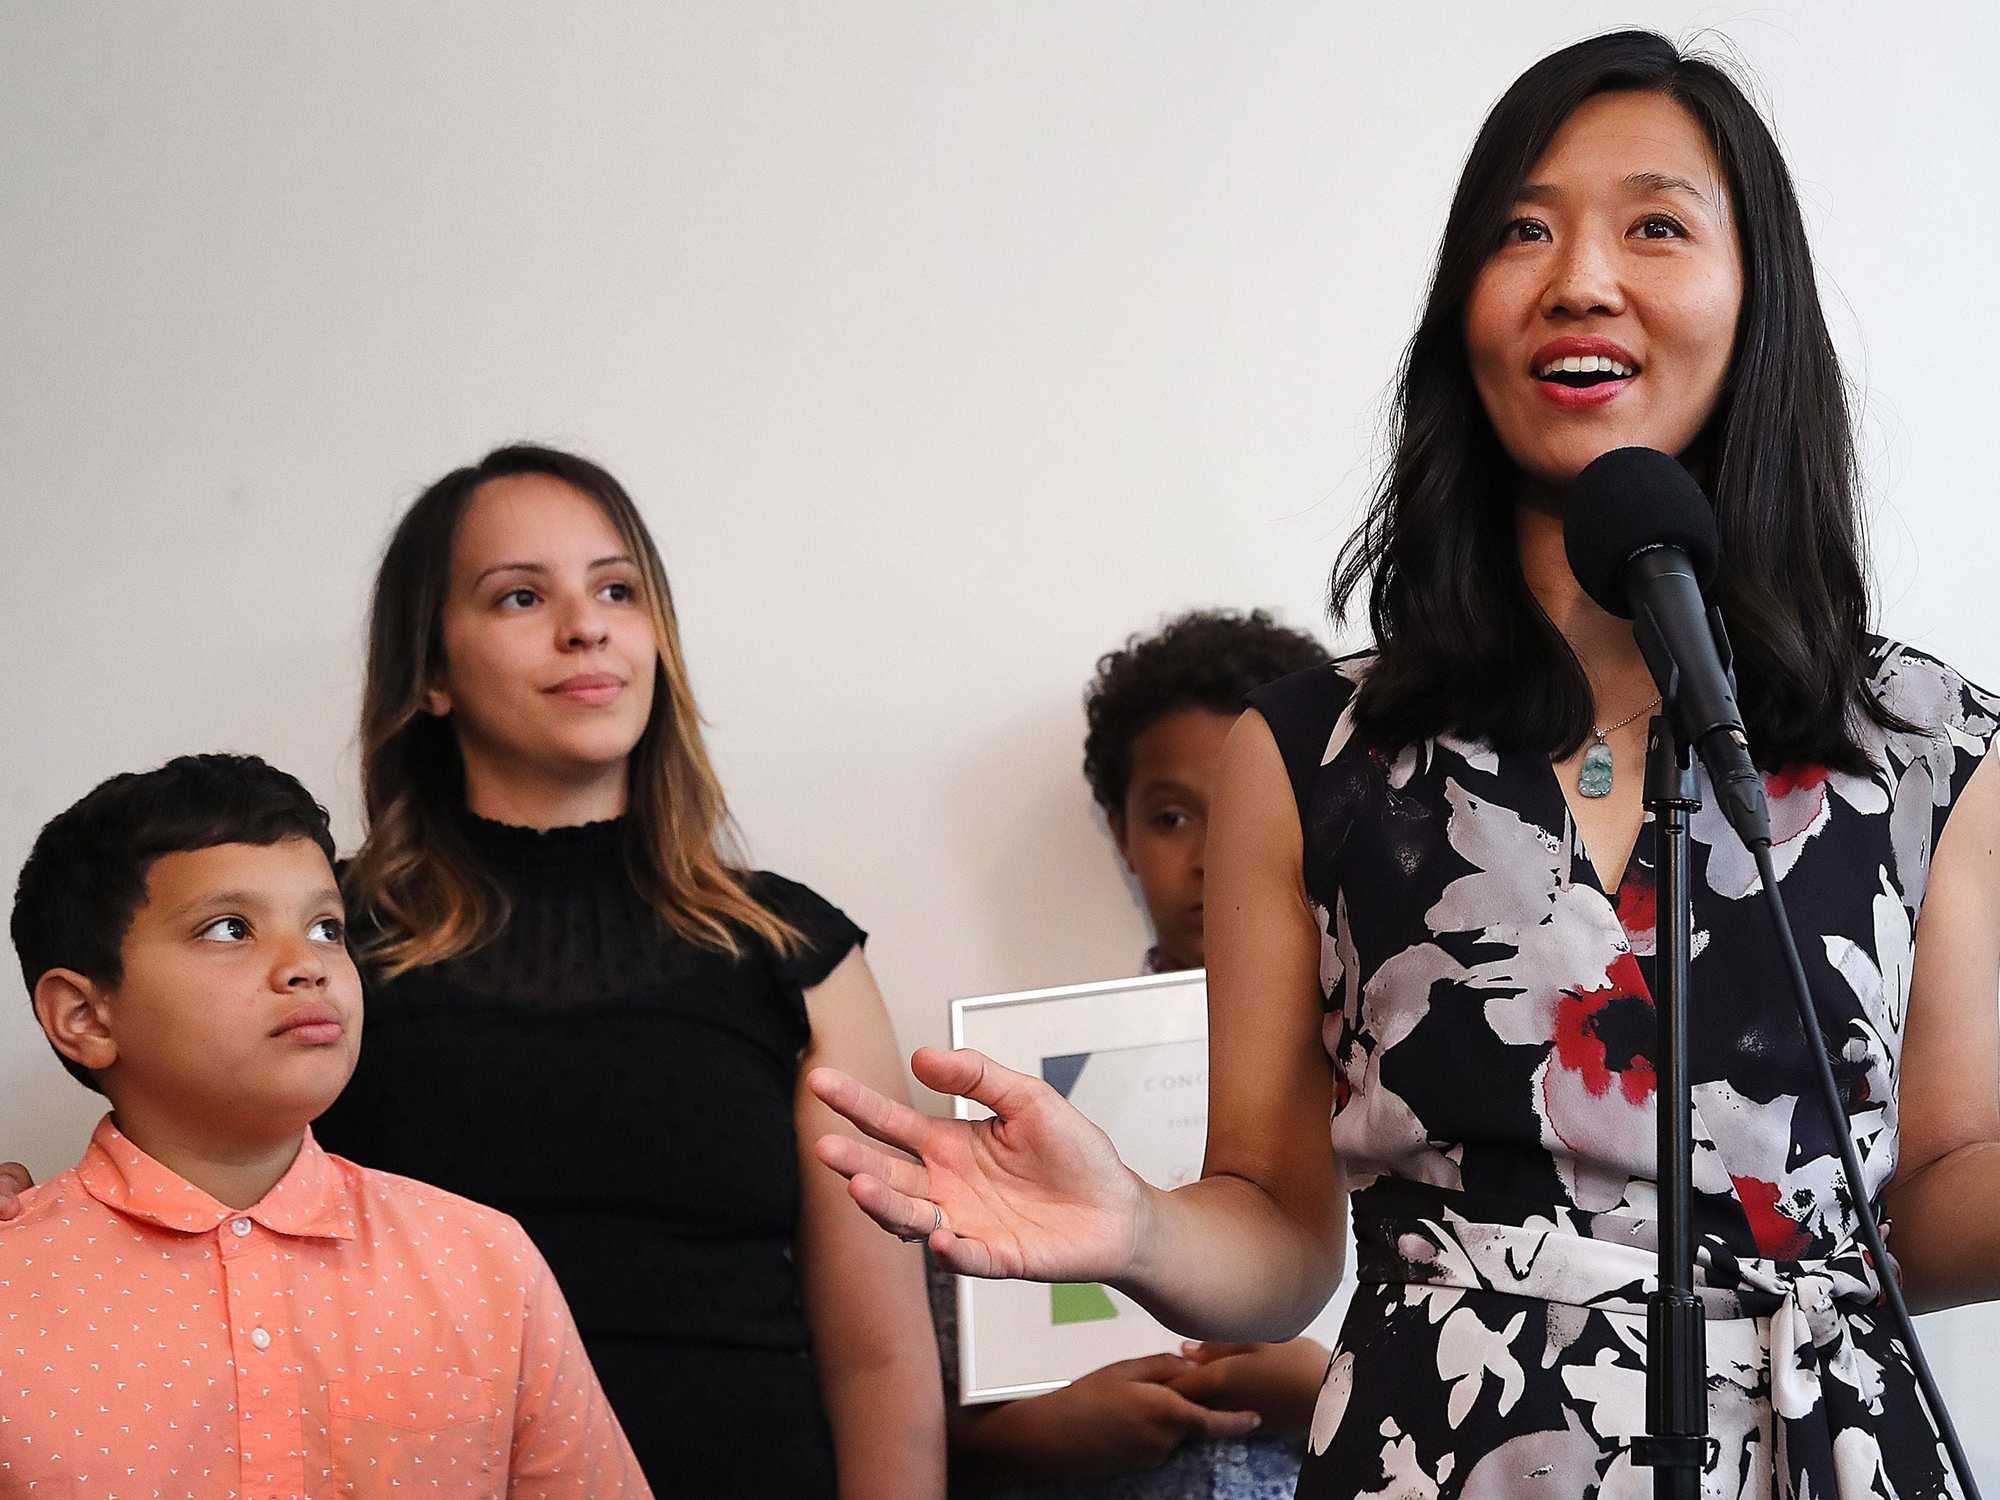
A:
<point x="1116" y="822"/>
<point x="70" y="1007"/>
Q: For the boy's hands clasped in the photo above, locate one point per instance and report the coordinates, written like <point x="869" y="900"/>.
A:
<point x="1134" y="1415"/>
<point x="1279" y="1382"/>
<point x="1123" y="1419"/>
<point x="1037" y="1192"/>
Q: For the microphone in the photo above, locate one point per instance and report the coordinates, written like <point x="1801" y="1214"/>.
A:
<point x="1642" y="541"/>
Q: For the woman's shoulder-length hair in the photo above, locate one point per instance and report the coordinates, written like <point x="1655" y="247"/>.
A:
<point x="1464" y="647"/>
<point x="419" y="894"/>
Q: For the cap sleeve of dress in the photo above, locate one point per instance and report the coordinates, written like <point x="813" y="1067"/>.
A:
<point x="1920" y="772"/>
<point x="827" y="936"/>
<point x="1956" y="723"/>
<point x="1303" y="710"/>
<point x="1973" y="727"/>
<point x="1972" y="722"/>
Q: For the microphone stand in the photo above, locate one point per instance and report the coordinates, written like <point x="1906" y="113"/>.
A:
<point x="1676" y="1443"/>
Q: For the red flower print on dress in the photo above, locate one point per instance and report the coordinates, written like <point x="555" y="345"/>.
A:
<point x="1638" y="909"/>
<point x="1798" y="799"/>
<point x="1602" y="1034"/>
<point x="1778" y="1236"/>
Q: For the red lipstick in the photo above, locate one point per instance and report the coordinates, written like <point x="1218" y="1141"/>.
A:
<point x="1582" y="397"/>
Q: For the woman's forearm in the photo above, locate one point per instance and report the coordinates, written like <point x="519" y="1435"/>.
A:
<point x="1945" y="1229"/>
<point x="887" y="1419"/>
<point x="864" y="1293"/>
<point x="1219" y="1259"/>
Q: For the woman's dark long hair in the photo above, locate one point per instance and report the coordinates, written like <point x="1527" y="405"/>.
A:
<point x="1463" y="645"/>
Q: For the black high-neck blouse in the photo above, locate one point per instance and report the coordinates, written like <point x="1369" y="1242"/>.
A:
<point x="628" y="1096"/>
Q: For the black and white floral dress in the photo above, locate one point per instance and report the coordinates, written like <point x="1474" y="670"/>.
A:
<point x="1490" y="1022"/>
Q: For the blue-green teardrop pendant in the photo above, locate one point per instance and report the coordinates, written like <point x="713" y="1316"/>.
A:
<point x="1594" y="777"/>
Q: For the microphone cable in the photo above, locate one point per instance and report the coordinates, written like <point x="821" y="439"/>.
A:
<point x="1871" y="1233"/>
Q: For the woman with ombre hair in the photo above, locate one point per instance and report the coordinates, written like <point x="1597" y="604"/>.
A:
<point x="565" y="951"/>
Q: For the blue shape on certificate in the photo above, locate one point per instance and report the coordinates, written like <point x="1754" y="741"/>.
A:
<point x="1061" y="1073"/>
<point x="1151" y="1100"/>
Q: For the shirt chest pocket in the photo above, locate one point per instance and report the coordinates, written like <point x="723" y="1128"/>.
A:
<point x="435" y="1431"/>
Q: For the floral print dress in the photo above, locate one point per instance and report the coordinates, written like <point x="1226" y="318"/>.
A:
<point x="1490" y="1021"/>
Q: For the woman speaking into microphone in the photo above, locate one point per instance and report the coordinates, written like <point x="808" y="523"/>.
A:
<point x="1430" y="910"/>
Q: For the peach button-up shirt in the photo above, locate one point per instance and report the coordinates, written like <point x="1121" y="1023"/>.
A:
<point x="352" y="1334"/>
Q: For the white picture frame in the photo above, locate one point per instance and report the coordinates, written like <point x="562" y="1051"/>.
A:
<point x="1132" y="1054"/>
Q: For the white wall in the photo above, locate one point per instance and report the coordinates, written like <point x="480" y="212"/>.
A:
<point x="944" y="344"/>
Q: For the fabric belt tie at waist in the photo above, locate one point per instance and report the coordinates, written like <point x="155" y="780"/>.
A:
<point x="1810" y="1305"/>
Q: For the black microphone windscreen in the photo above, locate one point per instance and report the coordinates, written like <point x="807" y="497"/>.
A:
<point x="1626" y="501"/>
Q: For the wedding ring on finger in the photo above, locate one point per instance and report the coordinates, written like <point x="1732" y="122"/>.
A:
<point x="937" y="1223"/>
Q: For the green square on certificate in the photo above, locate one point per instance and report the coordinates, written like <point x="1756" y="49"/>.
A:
<point x="1079" y="1302"/>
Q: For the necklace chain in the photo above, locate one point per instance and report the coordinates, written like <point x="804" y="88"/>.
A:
<point x="1601" y="733"/>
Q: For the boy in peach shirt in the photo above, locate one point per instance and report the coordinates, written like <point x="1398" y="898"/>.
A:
<point x="208" y="1304"/>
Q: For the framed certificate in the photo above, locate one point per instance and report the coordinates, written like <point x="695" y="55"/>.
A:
<point x="1132" y="1054"/>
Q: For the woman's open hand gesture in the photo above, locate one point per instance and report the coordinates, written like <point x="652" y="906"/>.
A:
<point x="1036" y="1193"/>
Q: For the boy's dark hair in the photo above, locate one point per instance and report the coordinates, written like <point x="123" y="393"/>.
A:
<point x="86" y="876"/>
<point x="1206" y="658"/>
